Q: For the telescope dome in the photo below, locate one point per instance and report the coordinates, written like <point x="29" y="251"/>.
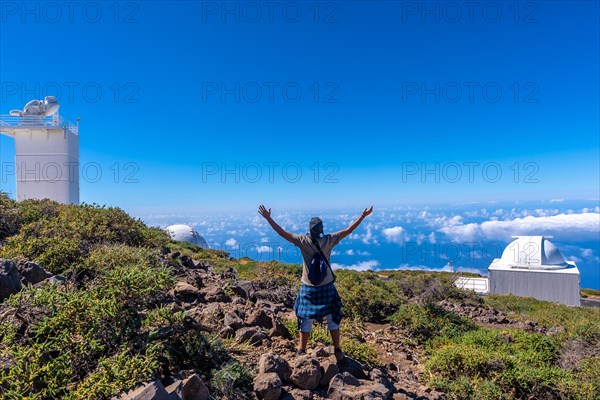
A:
<point x="185" y="233"/>
<point x="533" y="252"/>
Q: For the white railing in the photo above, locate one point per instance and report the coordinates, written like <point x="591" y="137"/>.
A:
<point x="479" y="285"/>
<point x="35" y="121"/>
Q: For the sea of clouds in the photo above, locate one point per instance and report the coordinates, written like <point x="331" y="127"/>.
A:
<point x="449" y="238"/>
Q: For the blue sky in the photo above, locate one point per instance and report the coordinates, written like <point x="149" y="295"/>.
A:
<point x="461" y="123"/>
<point x="370" y="95"/>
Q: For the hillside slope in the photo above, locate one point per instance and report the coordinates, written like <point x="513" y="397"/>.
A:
<point x="97" y="303"/>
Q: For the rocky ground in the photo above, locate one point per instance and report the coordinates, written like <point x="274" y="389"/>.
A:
<point x="249" y="318"/>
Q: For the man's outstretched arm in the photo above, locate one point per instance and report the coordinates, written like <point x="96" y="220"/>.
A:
<point x="262" y="210"/>
<point x="366" y="212"/>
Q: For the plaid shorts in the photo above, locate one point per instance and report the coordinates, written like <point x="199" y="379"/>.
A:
<point x="316" y="302"/>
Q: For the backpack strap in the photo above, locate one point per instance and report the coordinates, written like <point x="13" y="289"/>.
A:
<point x="323" y="255"/>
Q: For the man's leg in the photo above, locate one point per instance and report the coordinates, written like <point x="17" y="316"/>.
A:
<point x="304" y="329"/>
<point x="334" y="331"/>
<point x="335" y="337"/>
<point x="304" y="336"/>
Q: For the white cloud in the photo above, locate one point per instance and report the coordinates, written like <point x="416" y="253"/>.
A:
<point x="445" y="268"/>
<point x="432" y="238"/>
<point x="564" y="227"/>
<point x="367" y="238"/>
<point x="264" y="239"/>
<point x="363" y="253"/>
<point x="349" y="252"/>
<point x="462" y="233"/>
<point x="445" y="221"/>
<point x="585" y="253"/>
<point x="361" y="266"/>
<point x="263" y="249"/>
<point x="397" y="234"/>
<point x="232" y="243"/>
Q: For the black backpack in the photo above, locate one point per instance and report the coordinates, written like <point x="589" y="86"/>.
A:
<point x="317" y="270"/>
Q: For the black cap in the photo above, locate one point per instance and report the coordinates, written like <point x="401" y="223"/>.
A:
<point x="315" y="225"/>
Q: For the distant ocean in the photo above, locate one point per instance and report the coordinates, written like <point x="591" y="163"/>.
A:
<point x="450" y="238"/>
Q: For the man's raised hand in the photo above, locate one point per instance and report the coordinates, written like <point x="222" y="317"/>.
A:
<point x="367" y="211"/>
<point x="262" y="210"/>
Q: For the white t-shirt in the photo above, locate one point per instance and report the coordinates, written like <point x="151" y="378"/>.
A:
<point x="308" y="250"/>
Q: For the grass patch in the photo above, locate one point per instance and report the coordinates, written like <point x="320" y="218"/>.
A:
<point x="488" y="363"/>
<point x="543" y="312"/>
<point x="426" y="322"/>
<point x="590" y="292"/>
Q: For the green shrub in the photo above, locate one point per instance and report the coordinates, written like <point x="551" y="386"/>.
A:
<point x="232" y="382"/>
<point x="120" y="372"/>
<point x="488" y="390"/>
<point x="425" y="322"/>
<point x="458" y="388"/>
<point x="83" y="334"/>
<point x="503" y="364"/>
<point x="543" y="312"/>
<point x="270" y="274"/>
<point x="366" y="297"/>
<point x="60" y="236"/>
<point x="456" y="360"/>
<point x="363" y="352"/>
<point x="39" y="371"/>
<point x="534" y="349"/>
<point x="589" y="375"/>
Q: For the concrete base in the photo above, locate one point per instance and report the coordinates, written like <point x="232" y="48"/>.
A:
<point x="559" y="286"/>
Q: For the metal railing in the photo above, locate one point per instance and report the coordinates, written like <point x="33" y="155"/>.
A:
<point x="480" y="285"/>
<point x="36" y="121"/>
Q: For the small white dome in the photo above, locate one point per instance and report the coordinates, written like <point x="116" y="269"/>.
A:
<point x="534" y="252"/>
<point x="185" y="233"/>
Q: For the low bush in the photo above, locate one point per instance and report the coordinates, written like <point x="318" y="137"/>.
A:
<point x="488" y="363"/>
<point x="232" y="382"/>
<point x="59" y="237"/>
<point x="426" y="322"/>
<point x="545" y="313"/>
<point x="84" y="335"/>
<point x="367" y="297"/>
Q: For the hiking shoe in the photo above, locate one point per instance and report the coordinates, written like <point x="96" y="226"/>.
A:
<point x="339" y="354"/>
<point x="300" y="352"/>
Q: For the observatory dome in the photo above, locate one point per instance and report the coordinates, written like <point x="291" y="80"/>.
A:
<point x="185" y="233"/>
<point x="533" y="252"/>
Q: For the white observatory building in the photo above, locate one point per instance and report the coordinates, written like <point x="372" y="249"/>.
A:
<point x="46" y="152"/>
<point x="531" y="266"/>
<point x="185" y="233"/>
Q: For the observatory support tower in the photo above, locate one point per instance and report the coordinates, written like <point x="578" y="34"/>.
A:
<point x="46" y="152"/>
